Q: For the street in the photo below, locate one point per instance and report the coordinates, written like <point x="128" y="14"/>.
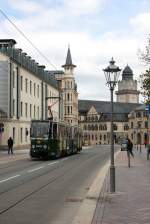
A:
<point x="34" y="191"/>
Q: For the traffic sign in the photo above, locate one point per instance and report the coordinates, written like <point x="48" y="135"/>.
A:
<point x="148" y="108"/>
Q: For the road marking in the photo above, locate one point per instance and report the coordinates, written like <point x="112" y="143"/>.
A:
<point x="38" y="168"/>
<point x="1" y="181"/>
<point x="49" y="164"/>
<point x="64" y="159"/>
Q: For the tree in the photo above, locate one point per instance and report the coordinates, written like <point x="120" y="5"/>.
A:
<point x="145" y="77"/>
<point x="145" y="85"/>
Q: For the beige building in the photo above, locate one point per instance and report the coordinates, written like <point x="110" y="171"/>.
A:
<point x="95" y="120"/>
<point x="95" y="116"/>
<point x="139" y="130"/>
<point x="24" y="88"/>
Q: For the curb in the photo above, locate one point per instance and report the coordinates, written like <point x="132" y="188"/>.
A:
<point x="87" y="209"/>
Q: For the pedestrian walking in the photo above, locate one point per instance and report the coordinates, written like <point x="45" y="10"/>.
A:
<point x="130" y="147"/>
<point x="10" y="145"/>
<point x="145" y="143"/>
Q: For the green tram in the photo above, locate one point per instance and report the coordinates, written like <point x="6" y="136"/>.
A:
<point x="51" y="139"/>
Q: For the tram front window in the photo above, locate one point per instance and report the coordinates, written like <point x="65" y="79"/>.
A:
<point x="39" y="129"/>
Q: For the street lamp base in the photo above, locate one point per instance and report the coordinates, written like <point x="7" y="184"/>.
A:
<point x="112" y="179"/>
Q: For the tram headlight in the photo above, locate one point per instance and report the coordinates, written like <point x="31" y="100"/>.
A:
<point x="45" y="146"/>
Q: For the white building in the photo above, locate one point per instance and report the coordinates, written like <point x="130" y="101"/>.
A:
<point x="24" y="89"/>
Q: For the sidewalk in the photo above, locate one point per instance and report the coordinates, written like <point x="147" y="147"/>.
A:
<point x="130" y="204"/>
<point x="17" y="155"/>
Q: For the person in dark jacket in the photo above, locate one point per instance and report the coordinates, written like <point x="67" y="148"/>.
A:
<point x="130" y="147"/>
<point x="10" y="145"/>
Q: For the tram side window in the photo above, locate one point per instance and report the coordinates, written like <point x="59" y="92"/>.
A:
<point x="55" y="131"/>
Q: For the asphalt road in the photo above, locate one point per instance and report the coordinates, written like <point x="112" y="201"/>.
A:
<point x="48" y="192"/>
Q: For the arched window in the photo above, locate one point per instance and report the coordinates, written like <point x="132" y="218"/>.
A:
<point x="100" y="127"/>
<point x="85" y="127"/>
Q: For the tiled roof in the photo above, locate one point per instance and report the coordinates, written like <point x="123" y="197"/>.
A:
<point x="121" y="110"/>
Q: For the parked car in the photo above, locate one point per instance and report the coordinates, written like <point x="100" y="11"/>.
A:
<point x="124" y="145"/>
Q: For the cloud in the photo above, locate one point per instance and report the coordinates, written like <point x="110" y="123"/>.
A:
<point x="84" y="7"/>
<point x="140" y="23"/>
<point x="51" y="29"/>
<point x="26" y="6"/>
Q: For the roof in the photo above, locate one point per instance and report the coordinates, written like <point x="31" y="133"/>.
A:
<point x="68" y="60"/>
<point x="8" y="41"/>
<point x="127" y="73"/>
<point x="26" y="61"/>
<point x="140" y="108"/>
<point x="121" y="110"/>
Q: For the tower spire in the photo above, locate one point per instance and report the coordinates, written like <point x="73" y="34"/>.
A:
<point x="68" y="59"/>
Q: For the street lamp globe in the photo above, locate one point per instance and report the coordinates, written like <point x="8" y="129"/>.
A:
<point x="112" y="73"/>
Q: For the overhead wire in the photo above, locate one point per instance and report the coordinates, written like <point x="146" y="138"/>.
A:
<point x="22" y="33"/>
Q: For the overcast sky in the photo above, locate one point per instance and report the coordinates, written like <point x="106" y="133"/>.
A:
<point x="96" y="30"/>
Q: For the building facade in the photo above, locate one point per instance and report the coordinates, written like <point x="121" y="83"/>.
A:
<point x="24" y="88"/>
<point x="139" y="130"/>
<point x="95" y="116"/>
<point x="95" y="120"/>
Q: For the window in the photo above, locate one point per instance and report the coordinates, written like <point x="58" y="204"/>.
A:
<point x="26" y="130"/>
<point x="131" y="124"/>
<point x="139" y="124"/>
<point x="115" y="127"/>
<point x="14" y="134"/>
<point x="13" y="107"/>
<point x="38" y="91"/>
<point x="38" y="112"/>
<point x="21" y="139"/>
<point x="138" y="114"/>
<point x="146" y="124"/>
<point x="68" y="112"/>
<point x="13" y="79"/>
<point x="68" y="96"/>
<point x="34" y="89"/>
<point x="21" y="83"/>
<point x="31" y="87"/>
<point x="71" y="109"/>
<point x="34" y="112"/>
<point x="126" y="127"/>
<point x="21" y="109"/>
<point x="30" y="110"/>
<point x="26" y="109"/>
<point x="26" y="85"/>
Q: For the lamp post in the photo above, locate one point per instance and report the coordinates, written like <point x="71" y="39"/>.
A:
<point x="112" y="74"/>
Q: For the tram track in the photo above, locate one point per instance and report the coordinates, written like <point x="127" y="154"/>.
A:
<point x="51" y="181"/>
<point x="20" y="165"/>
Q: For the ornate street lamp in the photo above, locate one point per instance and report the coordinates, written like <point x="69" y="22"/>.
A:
<point x="112" y="74"/>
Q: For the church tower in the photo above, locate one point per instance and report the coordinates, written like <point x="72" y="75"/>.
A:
<point x="69" y="91"/>
<point x="127" y="88"/>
